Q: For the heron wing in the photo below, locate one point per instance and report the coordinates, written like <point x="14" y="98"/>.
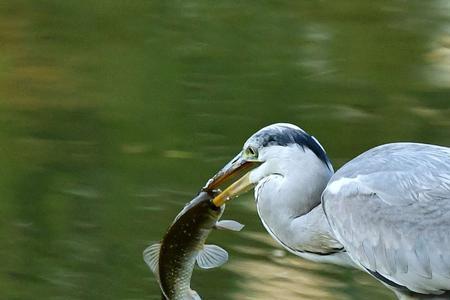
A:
<point x="390" y="208"/>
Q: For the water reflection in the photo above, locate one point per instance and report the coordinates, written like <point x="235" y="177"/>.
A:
<point x="113" y="114"/>
<point x="274" y="274"/>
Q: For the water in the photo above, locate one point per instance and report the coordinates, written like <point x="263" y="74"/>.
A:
<point x="114" y="113"/>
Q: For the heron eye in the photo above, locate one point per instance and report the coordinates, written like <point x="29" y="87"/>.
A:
<point x="251" y="152"/>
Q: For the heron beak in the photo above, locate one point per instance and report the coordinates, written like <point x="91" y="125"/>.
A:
<point x="233" y="169"/>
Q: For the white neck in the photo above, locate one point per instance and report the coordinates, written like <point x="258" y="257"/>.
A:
<point x="289" y="207"/>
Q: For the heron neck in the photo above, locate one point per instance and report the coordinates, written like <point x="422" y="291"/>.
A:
<point x="311" y="238"/>
<point x="290" y="209"/>
<point x="309" y="231"/>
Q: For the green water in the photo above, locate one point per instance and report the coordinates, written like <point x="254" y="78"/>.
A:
<point x="114" y="113"/>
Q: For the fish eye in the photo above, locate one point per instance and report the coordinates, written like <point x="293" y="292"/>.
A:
<point x="251" y="152"/>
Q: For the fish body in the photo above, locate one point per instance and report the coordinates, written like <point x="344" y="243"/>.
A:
<point x="172" y="261"/>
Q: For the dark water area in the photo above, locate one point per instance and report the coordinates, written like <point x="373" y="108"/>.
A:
<point x="114" y="113"/>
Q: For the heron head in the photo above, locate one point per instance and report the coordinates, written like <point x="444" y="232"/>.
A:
<point x="271" y="150"/>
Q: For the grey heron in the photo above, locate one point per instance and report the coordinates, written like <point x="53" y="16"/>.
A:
<point x="386" y="212"/>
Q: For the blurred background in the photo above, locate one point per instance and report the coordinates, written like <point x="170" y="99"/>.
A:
<point x="114" y="113"/>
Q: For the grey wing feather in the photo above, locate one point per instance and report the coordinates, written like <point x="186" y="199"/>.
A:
<point x="390" y="208"/>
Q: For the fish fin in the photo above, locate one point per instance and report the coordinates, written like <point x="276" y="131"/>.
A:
<point x="211" y="256"/>
<point x="229" y="225"/>
<point x="195" y="295"/>
<point x="151" y="257"/>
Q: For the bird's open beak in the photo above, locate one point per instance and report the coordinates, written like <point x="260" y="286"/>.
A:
<point x="237" y="166"/>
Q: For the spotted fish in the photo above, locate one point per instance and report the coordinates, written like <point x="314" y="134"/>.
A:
<point x="172" y="261"/>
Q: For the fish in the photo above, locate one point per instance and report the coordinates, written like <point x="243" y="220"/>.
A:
<point x="172" y="260"/>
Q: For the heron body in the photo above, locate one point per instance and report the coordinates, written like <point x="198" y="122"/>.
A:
<point x="390" y="208"/>
<point x="386" y="212"/>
